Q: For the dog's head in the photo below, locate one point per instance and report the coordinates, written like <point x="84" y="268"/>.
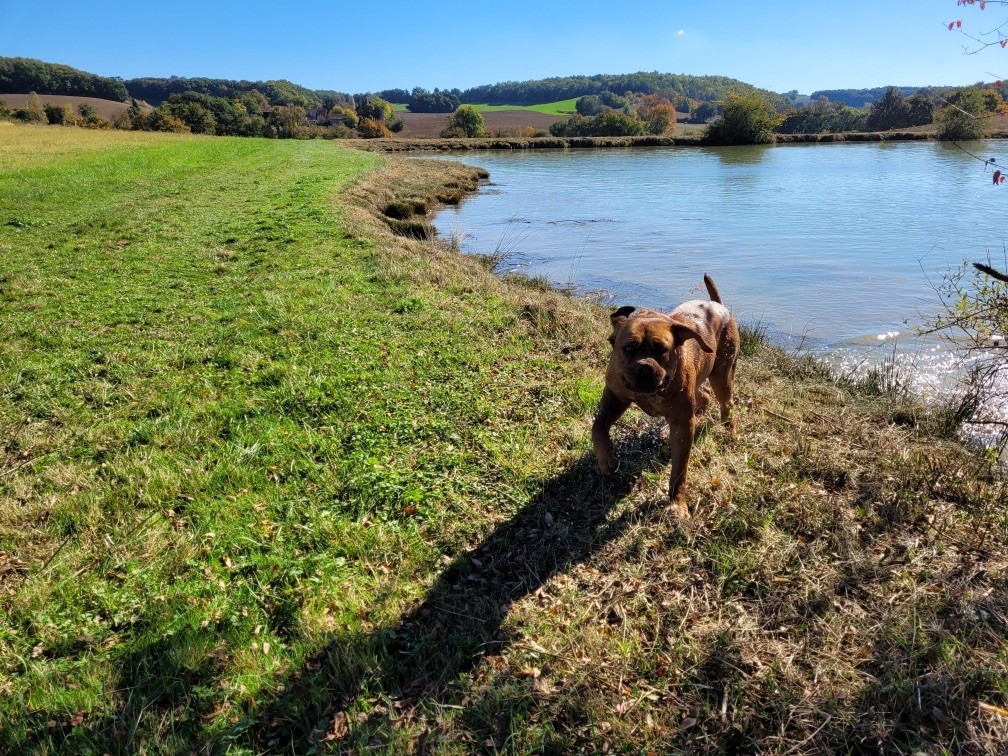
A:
<point x="647" y="346"/>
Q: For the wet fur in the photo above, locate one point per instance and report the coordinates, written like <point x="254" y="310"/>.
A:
<point x="664" y="364"/>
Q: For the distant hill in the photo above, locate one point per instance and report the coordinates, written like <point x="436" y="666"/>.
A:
<point x="24" y="75"/>
<point x="696" y="88"/>
<point x="858" y="98"/>
<point x="156" y="90"/>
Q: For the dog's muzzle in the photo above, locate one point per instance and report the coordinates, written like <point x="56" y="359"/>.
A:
<point x="644" y="378"/>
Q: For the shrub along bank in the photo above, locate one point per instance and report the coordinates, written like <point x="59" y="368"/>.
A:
<point x="273" y="477"/>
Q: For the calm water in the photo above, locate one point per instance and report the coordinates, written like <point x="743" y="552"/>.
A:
<point x="833" y="241"/>
<point x="829" y="246"/>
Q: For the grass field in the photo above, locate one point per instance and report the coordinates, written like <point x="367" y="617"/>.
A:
<point x="274" y="479"/>
<point x="558" y="108"/>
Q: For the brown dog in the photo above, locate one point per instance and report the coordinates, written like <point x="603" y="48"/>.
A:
<point x="660" y="362"/>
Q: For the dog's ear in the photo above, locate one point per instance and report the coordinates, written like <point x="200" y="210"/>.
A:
<point x="683" y="331"/>
<point x="617" y="319"/>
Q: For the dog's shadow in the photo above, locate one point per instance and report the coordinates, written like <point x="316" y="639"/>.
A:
<point x="421" y="658"/>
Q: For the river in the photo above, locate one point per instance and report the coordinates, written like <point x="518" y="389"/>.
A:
<point x="835" y="249"/>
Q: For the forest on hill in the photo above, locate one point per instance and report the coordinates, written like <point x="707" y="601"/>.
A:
<point x="859" y="98"/>
<point x="156" y="90"/>
<point x="24" y="75"/>
<point x="672" y="86"/>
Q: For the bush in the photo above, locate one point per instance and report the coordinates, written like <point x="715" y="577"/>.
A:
<point x="288" y="121"/>
<point x="617" y="123"/>
<point x="657" y="113"/>
<point x="612" y="100"/>
<point x="350" y="118"/>
<point x="198" y="118"/>
<point x="26" y="115"/>
<point x="5" y="113"/>
<point x="33" y="111"/>
<point x="122" y="120"/>
<point x="960" y="119"/>
<point x="161" y="121"/>
<point x="374" y="108"/>
<point x="975" y="318"/>
<point x="703" y="112"/>
<point x="607" y="123"/>
<point x="589" y="105"/>
<point x="60" y="115"/>
<point x="823" y="116"/>
<point x="893" y="111"/>
<point x="466" y="121"/>
<point x="371" y="128"/>
<point x="746" y="119"/>
<point x="89" y="116"/>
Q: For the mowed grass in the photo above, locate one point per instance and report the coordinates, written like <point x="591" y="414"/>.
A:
<point x="273" y="479"/>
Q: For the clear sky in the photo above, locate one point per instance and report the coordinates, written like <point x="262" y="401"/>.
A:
<point x="358" y="46"/>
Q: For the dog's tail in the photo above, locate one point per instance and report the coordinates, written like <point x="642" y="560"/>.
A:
<point x="715" y="295"/>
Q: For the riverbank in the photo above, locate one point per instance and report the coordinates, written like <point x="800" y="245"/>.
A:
<point x="274" y="476"/>
<point x="550" y="142"/>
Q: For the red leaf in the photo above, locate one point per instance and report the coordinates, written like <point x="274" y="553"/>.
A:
<point x="997" y="83"/>
<point x="983" y="5"/>
<point x="1004" y="42"/>
<point x="959" y="24"/>
<point x="997" y="176"/>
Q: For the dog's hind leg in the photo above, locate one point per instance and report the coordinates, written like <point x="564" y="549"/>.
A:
<point x="611" y="409"/>
<point x="722" y="382"/>
<point x="701" y="399"/>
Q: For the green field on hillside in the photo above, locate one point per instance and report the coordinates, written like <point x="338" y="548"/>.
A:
<point x="560" y="107"/>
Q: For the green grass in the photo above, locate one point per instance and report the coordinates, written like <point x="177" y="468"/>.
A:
<point x="558" y="108"/>
<point x="273" y="479"/>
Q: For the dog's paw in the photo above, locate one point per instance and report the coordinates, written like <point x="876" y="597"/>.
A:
<point x="678" y="510"/>
<point x="607" y="466"/>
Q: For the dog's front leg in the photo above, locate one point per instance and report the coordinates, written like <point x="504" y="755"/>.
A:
<point x="611" y="408"/>
<point x="681" y="432"/>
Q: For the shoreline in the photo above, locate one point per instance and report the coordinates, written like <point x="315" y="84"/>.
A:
<point x="898" y="372"/>
<point x="561" y="143"/>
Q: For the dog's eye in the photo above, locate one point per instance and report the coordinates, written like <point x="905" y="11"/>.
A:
<point x="629" y="348"/>
<point x="660" y="349"/>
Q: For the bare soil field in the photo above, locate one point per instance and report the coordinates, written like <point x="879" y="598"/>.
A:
<point x="106" y="108"/>
<point x="430" y="125"/>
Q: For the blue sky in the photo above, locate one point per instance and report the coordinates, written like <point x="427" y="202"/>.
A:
<point x="357" y="46"/>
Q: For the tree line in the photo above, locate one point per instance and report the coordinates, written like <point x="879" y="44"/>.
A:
<point x="24" y="75"/>
<point x="670" y="86"/>
<point x="243" y="113"/>
<point x="156" y="90"/>
<point x="959" y="115"/>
